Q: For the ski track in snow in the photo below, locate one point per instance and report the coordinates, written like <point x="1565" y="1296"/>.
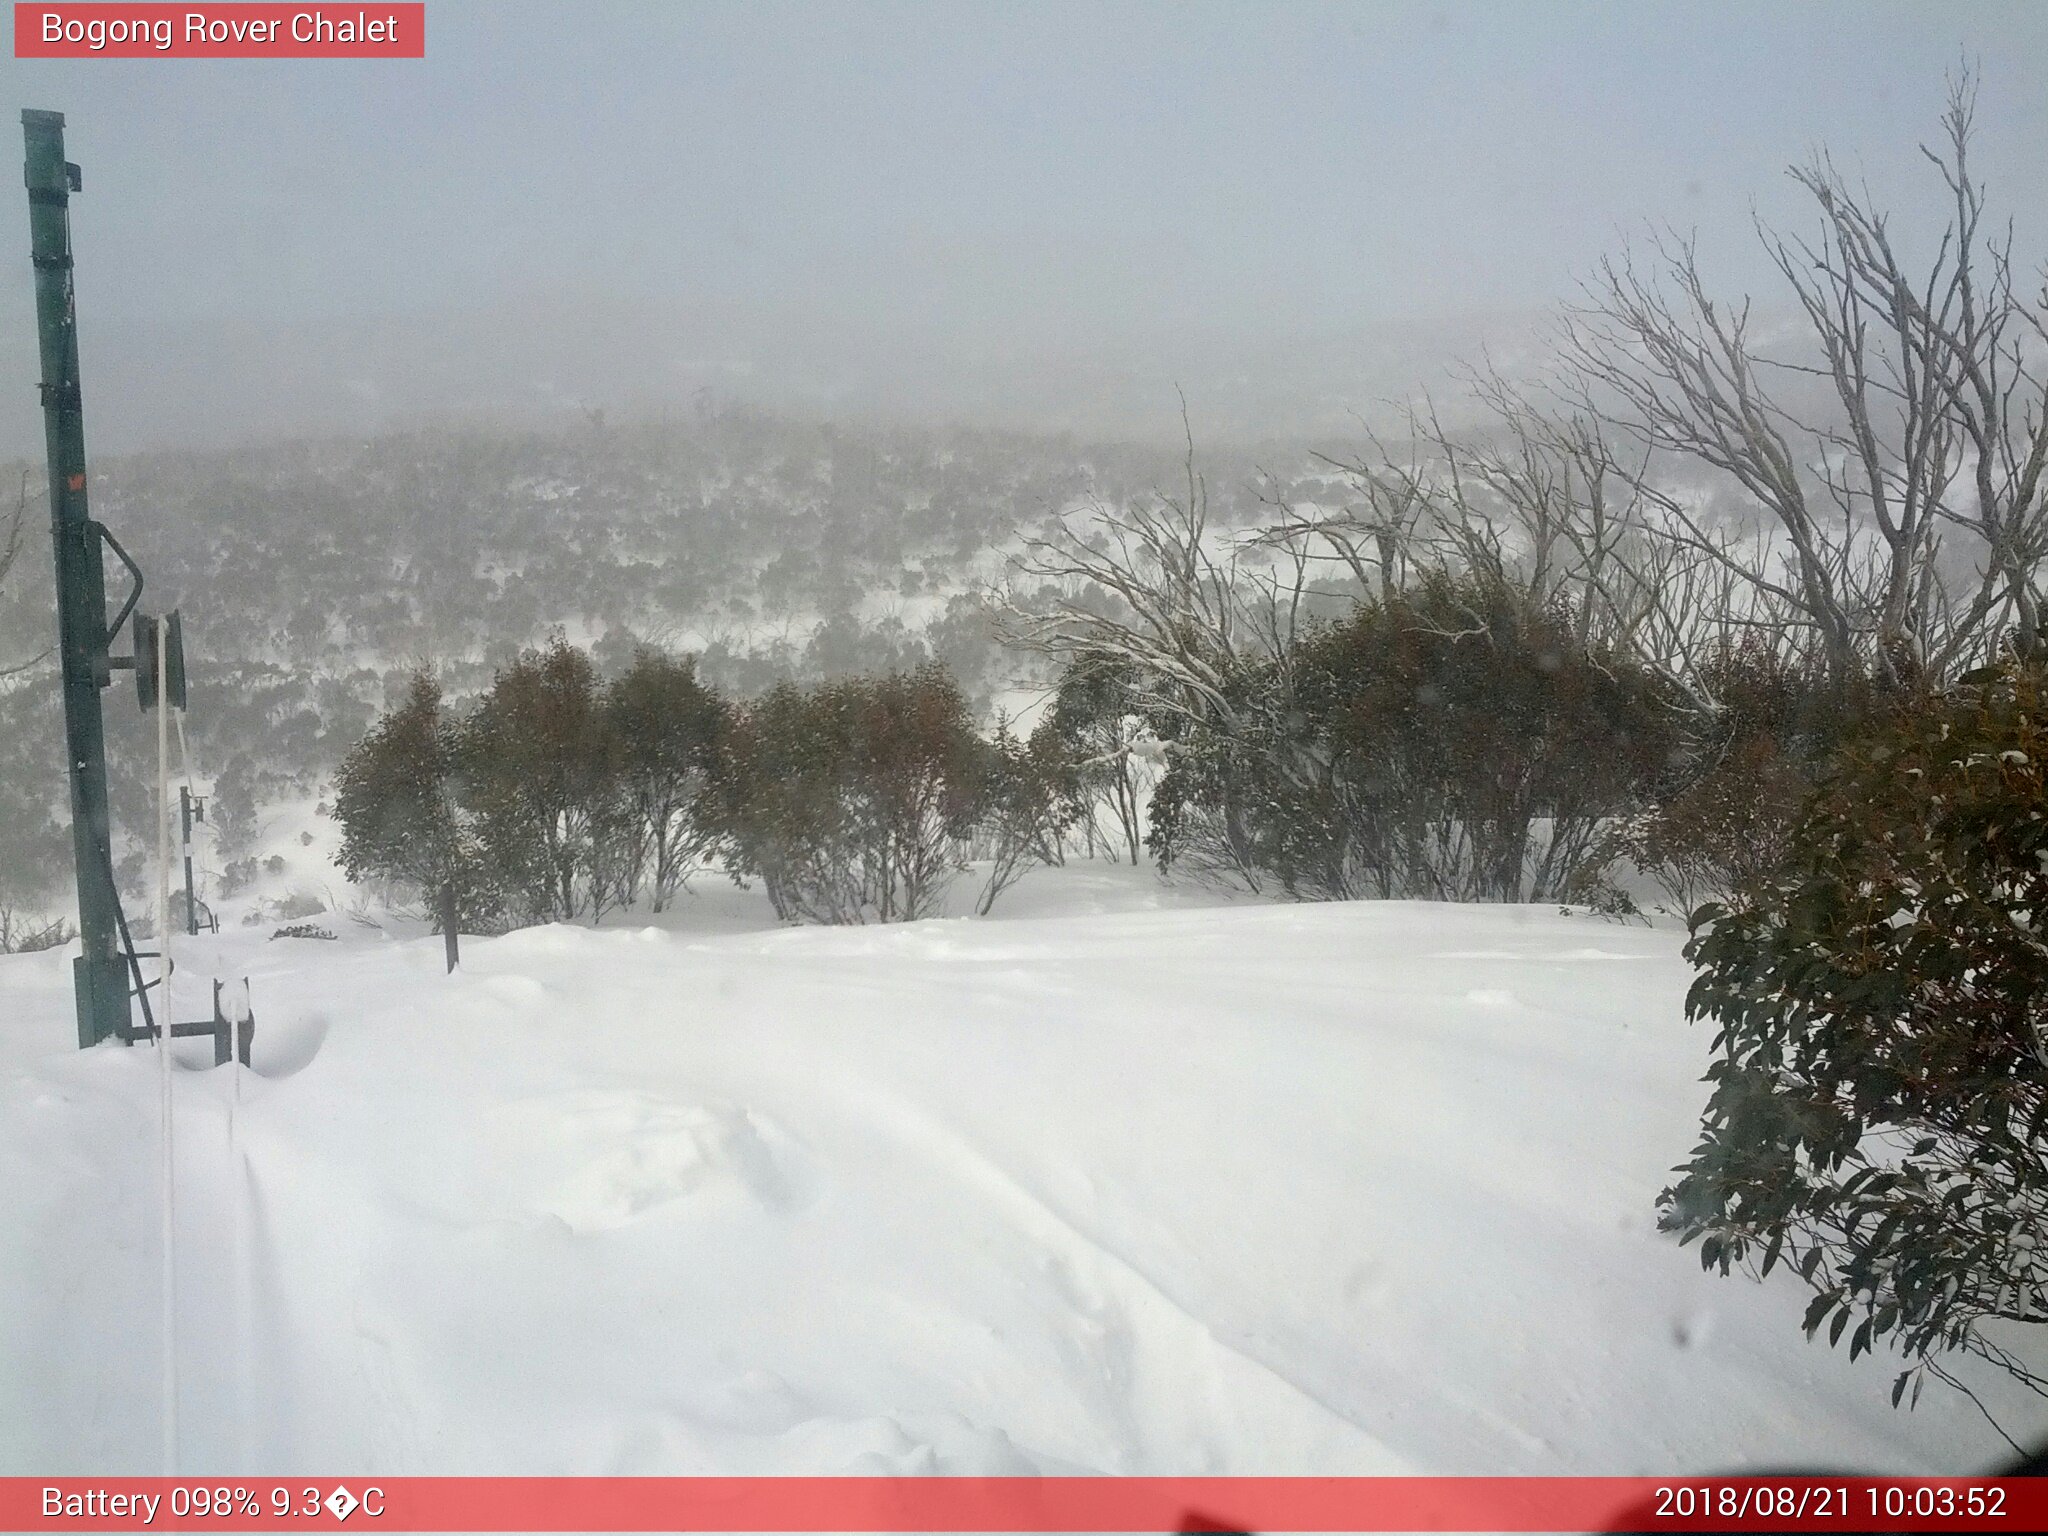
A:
<point x="1125" y="1180"/>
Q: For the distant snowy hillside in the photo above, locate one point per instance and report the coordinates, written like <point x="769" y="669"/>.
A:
<point x="314" y="574"/>
<point x="1115" y="1182"/>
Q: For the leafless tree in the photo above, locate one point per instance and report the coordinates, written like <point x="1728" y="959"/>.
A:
<point x="1193" y="611"/>
<point x="1153" y="584"/>
<point x="10" y="551"/>
<point x="1907" y="505"/>
<point x="1544" y="503"/>
<point x="23" y="932"/>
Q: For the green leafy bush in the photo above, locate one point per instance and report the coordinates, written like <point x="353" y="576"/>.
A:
<point x="1023" y="806"/>
<point x="1881" y="1089"/>
<point x="664" y="729"/>
<point x="1093" y="725"/>
<point x="558" y="795"/>
<point x="533" y="764"/>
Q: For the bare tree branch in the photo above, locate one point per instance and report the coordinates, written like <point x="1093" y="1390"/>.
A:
<point x="10" y="550"/>
<point x="1935" y="421"/>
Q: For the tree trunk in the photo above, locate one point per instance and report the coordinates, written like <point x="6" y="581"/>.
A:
<point x="450" y="921"/>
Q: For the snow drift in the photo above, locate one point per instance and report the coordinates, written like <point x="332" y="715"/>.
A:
<point x="1119" y="1183"/>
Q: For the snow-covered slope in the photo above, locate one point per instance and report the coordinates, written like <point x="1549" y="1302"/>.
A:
<point x="1118" y="1182"/>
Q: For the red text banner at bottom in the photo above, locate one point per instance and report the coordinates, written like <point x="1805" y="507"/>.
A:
<point x="1025" y="1504"/>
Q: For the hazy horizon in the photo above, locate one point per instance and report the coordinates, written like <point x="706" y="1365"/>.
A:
<point x="1046" y="218"/>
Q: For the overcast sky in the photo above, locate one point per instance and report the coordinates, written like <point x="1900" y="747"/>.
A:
<point x="1029" y="203"/>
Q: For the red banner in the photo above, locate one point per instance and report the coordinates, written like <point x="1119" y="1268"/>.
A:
<point x="1035" y="1504"/>
<point x="103" y="31"/>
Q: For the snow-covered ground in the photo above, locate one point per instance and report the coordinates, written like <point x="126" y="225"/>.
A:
<point x="1124" y="1179"/>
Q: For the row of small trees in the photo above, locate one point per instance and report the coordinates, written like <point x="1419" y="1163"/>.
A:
<point x="862" y="799"/>
<point x="559" y="795"/>
<point x="554" y="796"/>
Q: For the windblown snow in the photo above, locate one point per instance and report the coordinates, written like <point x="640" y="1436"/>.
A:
<point x="1117" y="1182"/>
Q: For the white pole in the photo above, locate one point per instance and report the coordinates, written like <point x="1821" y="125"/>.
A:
<point x="163" y="1039"/>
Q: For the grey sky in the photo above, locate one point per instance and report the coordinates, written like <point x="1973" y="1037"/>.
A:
<point x="1030" y="204"/>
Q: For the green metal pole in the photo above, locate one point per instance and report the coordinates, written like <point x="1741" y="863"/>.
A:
<point x="185" y="842"/>
<point x="99" y="980"/>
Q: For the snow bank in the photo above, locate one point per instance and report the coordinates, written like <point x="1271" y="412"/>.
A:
<point x="1115" y="1184"/>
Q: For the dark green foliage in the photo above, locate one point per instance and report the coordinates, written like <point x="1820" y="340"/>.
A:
<point x="775" y="801"/>
<point x="553" y="797"/>
<point x="848" y="800"/>
<point x="666" y="730"/>
<point x="1093" y="725"/>
<point x="854" y="801"/>
<point x="1880" y="1093"/>
<point x="397" y="800"/>
<point x="536" y="769"/>
<point x="1724" y="821"/>
<point x="1449" y="742"/>
<point x="1024" y="805"/>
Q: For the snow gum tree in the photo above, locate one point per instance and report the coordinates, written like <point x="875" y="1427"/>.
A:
<point x="1450" y="742"/>
<point x="850" y="801"/>
<point x="1096" y="725"/>
<point x="1724" y="821"/>
<point x="397" y="802"/>
<point x="536" y="766"/>
<point x="1025" y="802"/>
<point x="1897" y="447"/>
<point x="665" y="728"/>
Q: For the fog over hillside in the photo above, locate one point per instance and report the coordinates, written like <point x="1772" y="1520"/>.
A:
<point x="170" y="382"/>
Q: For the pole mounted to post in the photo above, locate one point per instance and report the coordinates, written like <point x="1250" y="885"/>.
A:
<point x="187" y="810"/>
<point x="99" y="976"/>
<point x="108" y="961"/>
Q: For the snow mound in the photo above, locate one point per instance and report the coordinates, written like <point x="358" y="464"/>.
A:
<point x="597" y="1160"/>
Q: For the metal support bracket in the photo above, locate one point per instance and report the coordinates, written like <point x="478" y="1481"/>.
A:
<point x="231" y="1038"/>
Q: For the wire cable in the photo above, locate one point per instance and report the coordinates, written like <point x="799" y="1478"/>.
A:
<point x="163" y="1043"/>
